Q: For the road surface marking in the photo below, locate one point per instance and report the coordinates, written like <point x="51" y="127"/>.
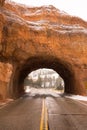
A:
<point x="44" y="118"/>
<point x="85" y="104"/>
<point x="82" y="102"/>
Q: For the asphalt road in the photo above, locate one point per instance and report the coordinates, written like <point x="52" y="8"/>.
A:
<point x="25" y="113"/>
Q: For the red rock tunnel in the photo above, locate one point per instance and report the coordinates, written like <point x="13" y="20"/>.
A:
<point x="51" y="39"/>
<point x="61" y="67"/>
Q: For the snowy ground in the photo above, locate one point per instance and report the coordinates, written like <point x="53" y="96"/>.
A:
<point x="54" y="93"/>
<point x="43" y="92"/>
<point x="33" y="92"/>
<point x="78" y="97"/>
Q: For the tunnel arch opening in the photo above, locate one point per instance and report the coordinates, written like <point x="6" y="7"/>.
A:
<point x="44" y="79"/>
<point x="63" y="68"/>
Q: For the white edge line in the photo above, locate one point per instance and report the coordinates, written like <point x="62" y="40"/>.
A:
<point x="77" y="100"/>
<point x="81" y="102"/>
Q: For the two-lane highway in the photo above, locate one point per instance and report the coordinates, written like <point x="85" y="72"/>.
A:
<point x="43" y="109"/>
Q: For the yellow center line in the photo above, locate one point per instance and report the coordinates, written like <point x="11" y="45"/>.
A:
<point x="44" y="117"/>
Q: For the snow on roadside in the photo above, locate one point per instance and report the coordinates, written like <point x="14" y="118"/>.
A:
<point x="78" y="97"/>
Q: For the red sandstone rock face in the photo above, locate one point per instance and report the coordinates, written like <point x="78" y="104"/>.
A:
<point x="31" y="38"/>
<point x="2" y="2"/>
<point x="5" y="75"/>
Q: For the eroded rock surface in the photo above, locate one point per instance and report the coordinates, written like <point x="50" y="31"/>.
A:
<point x="2" y="2"/>
<point x="5" y="75"/>
<point x="34" y="37"/>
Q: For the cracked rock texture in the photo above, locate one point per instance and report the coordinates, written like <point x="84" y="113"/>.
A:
<point x="37" y="37"/>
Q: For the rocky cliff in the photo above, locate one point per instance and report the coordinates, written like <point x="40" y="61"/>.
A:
<point x="46" y="34"/>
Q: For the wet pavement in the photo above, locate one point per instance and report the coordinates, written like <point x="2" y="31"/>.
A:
<point x="62" y="113"/>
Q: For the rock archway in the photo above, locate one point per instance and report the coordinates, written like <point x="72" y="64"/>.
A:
<point x="65" y="70"/>
<point x="33" y="38"/>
